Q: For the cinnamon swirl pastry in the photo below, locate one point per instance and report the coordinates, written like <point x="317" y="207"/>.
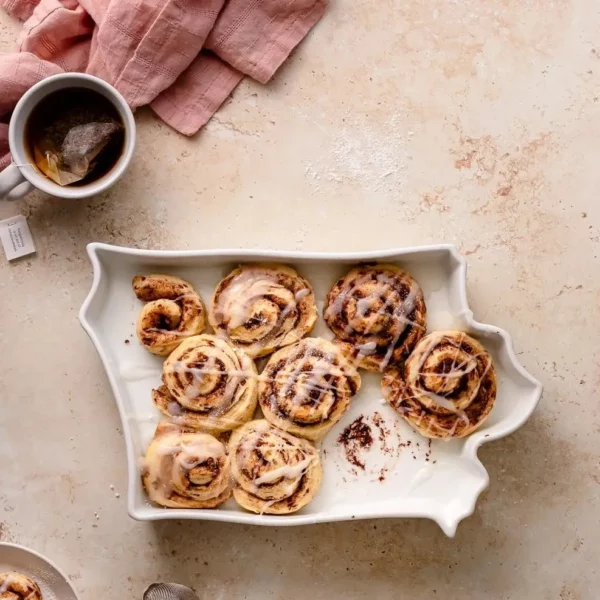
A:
<point x="379" y="311"/>
<point x="208" y="385"/>
<point x="273" y="472"/>
<point x="306" y="388"/>
<point x="15" y="586"/>
<point x="174" y="312"/>
<point x="186" y="469"/>
<point x="261" y="308"/>
<point x="446" y="387"/>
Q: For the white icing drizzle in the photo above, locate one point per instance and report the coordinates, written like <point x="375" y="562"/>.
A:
<point x="456" y="371"/>
<point x="278" y="445"/>
<point x="297" y="383"/>
<point x="8" y="582"/>
<point x="242" y="298"/>
<point x="171" y="332"/>
<point x="303" y="383"/>
<point x="468" y="365"/>
<point x="249" y="287"/>
<point x="267" y="505"/>
<point x="194" y="390"/>
<point x="234" y="376"/>
<point x="455" y="423"/>
<point x="263" y="308"/>
<point x="383" y="286"/>
<point x="201" y="451"/>
<point x="186" y="456"/>
<point x="302" y="294"/>
<point x="286" y="472"/>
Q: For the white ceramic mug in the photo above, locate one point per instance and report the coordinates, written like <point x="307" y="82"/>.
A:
<point x="21" y="176"/>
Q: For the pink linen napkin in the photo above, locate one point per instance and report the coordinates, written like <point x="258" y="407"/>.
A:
<point x="183" y="57"/>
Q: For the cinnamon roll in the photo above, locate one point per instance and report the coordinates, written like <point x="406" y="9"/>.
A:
<point x="261" y="308"/>
<point x="186" y="469"/>
<point x="447" y="386"/>
<point x="378" y="312"/>
<point x="273" y="472"/>
<point x="306" y="388"/>
<point x="174" y="312"/>
<point x="208" y="385"/>
<point x="15" y="586"/>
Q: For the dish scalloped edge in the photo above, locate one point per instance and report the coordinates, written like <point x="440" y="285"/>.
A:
<point x="447" y="520"/>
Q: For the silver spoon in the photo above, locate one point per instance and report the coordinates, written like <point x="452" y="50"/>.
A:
<point x="169" y="591"/>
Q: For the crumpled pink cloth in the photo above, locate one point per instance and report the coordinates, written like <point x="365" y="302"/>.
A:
<point x="182" y="57"/>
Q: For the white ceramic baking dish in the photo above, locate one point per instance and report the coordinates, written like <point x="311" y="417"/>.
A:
<point x="403" y="475"/>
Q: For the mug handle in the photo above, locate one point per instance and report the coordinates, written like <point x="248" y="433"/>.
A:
<point x="12" y="184"/>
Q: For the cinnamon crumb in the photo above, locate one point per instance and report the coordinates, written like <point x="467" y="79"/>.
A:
<point x="356" y="437"/>
<point x="384" y="433"/>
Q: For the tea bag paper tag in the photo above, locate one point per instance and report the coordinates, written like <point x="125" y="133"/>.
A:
<point x="16" y="237"/>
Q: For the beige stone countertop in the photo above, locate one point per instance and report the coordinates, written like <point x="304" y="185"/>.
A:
<point x="395" y="123"/>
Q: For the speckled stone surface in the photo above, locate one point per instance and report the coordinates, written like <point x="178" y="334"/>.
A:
<point x="395" y="123"/>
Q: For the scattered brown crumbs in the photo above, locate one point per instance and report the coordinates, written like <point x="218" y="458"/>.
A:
<point x="384" y="433"/>
<point x="365" y="431"/>
<point x="355" y="438"/>
<point x="127" y="341"/>
<point x="428" y="453"/>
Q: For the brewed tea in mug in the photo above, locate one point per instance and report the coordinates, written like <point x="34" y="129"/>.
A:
<point x="75" y="136"/>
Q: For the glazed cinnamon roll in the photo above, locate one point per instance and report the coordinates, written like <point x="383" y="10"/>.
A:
<point x="379" y="312"/>
<point x="15" y="586"/>
<point x="273" y="472"/>
<point x="306" y="388"/>
<point x="261" y="308"/>
<point x="173" y="312"/>
<point x="208" y="385"/>
<point x="446" y="387"/>
<point x="186" y="469"/>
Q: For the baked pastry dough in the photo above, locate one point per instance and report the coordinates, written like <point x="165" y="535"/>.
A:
<point x="15" y="586"/>
<point x="173" y="312"/>
<point x="447" y="386"/>
<point x="208" y="385"/>
<point x="306" y="388"/>
<point x="186" y="469"/>
<point x="261" y="308"/>
<point x="379" y="312"/>
<point x="273" y="472"/>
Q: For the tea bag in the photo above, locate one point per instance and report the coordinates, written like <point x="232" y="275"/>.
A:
<point x="69" y="147"/>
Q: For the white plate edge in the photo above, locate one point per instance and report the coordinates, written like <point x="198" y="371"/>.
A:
<point x="45" y="559"/>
